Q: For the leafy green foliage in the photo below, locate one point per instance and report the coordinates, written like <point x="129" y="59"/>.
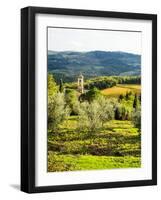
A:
<point x="122" y="112"/>
<point x="121" y="96"/>
<point x="91" y="95"/>
<point x="101" y="84"/>
<point x="106" y="110"/>
<point x="136" y="118"/>
<point x="136" y="102"/>
<point x="52" y="87"/>
<point x="71" y="98"/>
<point x="128" y="103"/>
<point x="93" y="115"/>
<point x="57" y="111"/>
<point x="61" y="87"/>
<point x="82" y="131"/>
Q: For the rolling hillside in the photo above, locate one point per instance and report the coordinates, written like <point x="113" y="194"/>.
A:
<point x="121" y="89"/>
<point x="68" y="64"/>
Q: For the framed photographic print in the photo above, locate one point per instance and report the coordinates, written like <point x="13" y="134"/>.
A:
<point x="88" y="99"/>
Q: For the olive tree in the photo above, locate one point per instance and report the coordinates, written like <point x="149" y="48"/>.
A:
<point x="57" y="111"/>
<point x="71" y="99"/>
<point x="89" y="118"/>
<point x="92" y="116"/>
<point x="52" y="87"/>
<point x="106" y="110"/>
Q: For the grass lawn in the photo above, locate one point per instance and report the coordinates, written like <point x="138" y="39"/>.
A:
<point x="90" y="162"/>
<point x="117" y="145"/>
<point x="121" y="89"/>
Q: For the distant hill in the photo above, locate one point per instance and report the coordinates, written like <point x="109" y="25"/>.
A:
<point x="68" y="64"/>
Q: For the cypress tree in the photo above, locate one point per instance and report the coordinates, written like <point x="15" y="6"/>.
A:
<point x="136" y="102"/>
<point x="61" y="86"/>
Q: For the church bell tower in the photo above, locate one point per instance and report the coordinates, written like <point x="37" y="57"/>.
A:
<point x="81" y="83"/>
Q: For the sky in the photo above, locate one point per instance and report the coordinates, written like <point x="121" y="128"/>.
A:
<point x="66" y="39"/>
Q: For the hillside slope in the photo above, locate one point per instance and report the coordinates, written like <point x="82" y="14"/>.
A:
<point x="68" y="64"/>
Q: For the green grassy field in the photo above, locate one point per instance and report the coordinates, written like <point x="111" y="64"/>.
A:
<point x="121" y="89"/>
<point x="117" y="145"/>
<point x="90" y="162"/>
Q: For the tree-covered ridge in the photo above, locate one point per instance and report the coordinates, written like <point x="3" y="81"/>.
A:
<point x="68" y="64"/>
<point x="103" y="82"/>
